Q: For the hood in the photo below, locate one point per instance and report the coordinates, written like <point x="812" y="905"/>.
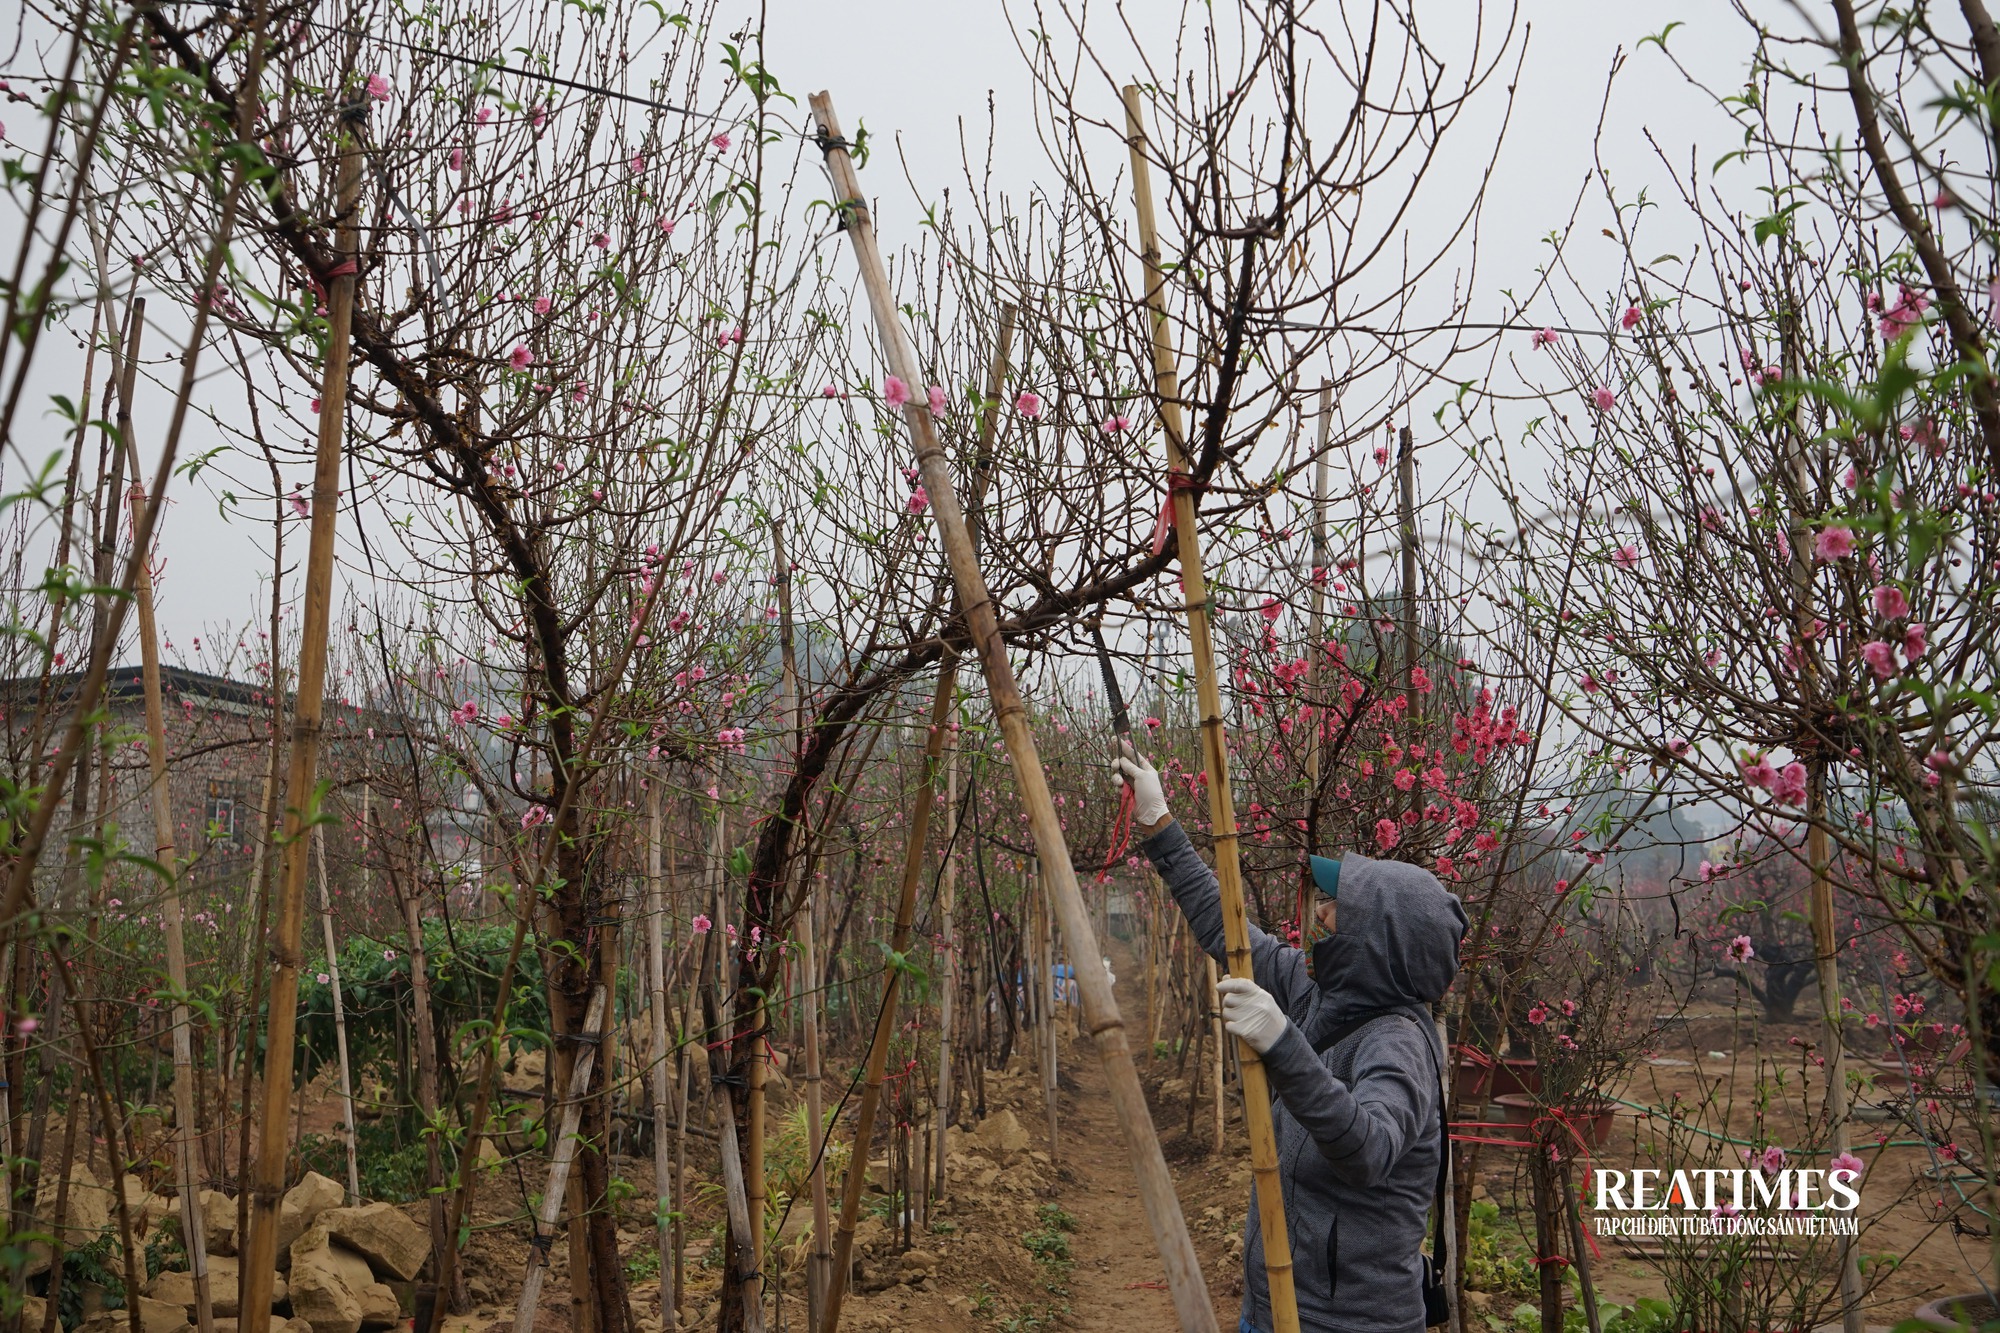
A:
<point x="1396" y="942"/>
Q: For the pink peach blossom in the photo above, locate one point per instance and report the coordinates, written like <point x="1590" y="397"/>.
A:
<point x="1833" y="543"/>
<point x="1880" y="657"/>
<point x="1890" y="604"/>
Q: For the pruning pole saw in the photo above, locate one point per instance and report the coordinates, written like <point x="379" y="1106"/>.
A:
<point x="1121" y="726"/>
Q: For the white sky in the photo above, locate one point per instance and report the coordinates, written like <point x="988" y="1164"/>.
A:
<point x="915" y="70"/>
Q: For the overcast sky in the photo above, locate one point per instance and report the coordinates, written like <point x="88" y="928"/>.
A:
<point x="915" y="70"/>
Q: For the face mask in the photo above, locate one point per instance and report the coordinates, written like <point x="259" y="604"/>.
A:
<point x="1326" y="962"/>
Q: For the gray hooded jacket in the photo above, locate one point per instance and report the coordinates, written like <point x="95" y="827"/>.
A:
<point x="1357" y="1127"/>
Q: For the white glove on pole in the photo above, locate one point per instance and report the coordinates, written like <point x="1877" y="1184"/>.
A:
<point x="1249" y="1012"/>
<point x="1149" y="803"/>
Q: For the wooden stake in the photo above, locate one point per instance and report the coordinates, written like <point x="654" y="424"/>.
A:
<point x="1215" y="750"/>
<point x="424" y="1025"/>
<point x="557" y="1187"/>
<point x="165" y="853"/>
<point x="821" y="1260"/>
<point x="892" y="982"/>
<point x="656" y="963"/>
<point x="268" y="1183"/>
<point x="339" y="1021"/>
<point x="948" y="963"/>
<point x="1050" y="1005"/>
<point x="1107" y="1027"/>
<point x="1315" y="629"/>
<point x="1216" y="1037"/>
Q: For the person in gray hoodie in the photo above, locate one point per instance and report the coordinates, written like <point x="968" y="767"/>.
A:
<point x="1354" y="1060"/>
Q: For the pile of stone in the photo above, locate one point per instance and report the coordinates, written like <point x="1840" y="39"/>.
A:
<point x="341" y="1269"/>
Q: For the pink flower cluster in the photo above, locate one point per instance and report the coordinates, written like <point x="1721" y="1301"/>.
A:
<point x="1880" y="654"/>
<point x="1787" y="786"/>
<point x="1906" y="314"/>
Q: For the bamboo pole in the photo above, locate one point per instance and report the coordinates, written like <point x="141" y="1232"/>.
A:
<point x="1315" y="628"/>
<point x="735" y="1195"/>
<point x="423" y="1023"/>
<point x="892" y="981"/>
<point x="656" y="963"/>
<point x="821" y="1259"/>
<point x="1216" y="1060"/>
<point x="1051" y="1005"/>
<point x="1215" y="751"/>
<point x="268" y="1183"/>
<point x="166" y="854"/>
<point x="564" y="1156"/>
<point x="989" y="429"/>
<point x="1107" y="1027"/>
<point x="347" y="1127"/>
<point x="1826" y="938"/>
<point x="948" y="969"/>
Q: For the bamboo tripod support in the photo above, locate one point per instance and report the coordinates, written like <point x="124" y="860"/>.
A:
<point x="1107" y="1027"/>
<point x="564" y="1156"/>
<point x="267" y="1182"/>
<point x="165" y="852"/>
<point x="1214" y="746"/>
<point x="892" y="981"/>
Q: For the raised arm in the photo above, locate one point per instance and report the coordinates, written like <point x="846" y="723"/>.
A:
<point x="1278" y="967"/>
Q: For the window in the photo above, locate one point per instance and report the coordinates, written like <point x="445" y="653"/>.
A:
<point x="219" y="816"/>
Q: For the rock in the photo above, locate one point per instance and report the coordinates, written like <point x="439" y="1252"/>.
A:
<point x="868" y="1234"/>
<point x="1001" y="1132"/>
<point x="480" y="1290"/>
<point x="224" y="1290"/>
<point x="86" y="1209"/>
<point x="525" y="1075"/>
<point x="154" y="1317"/>
<point x="33" y="1311"/>
<point x="379" y="1307"/>
<point x="393" y="1244"/>
<point x="918" y="1264"/>
<point x="303" y="1203"/>
<point x="176" y="1288"/>
<point x="218" y="1220"/>
<point x="327" y="1282"/>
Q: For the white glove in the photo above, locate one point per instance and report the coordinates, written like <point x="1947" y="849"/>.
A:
<point x="1149" y="804"/>
<point x="1249" y="1012"/>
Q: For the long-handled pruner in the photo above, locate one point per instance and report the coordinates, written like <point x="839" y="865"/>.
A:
<point x="1121" y="725"/>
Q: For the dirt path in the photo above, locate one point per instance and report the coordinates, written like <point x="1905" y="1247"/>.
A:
<point x="1118" y="1282"/>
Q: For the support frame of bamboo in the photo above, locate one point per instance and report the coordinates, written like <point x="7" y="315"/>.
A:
<point x="1185" y="1283"/>
<point x="267" y="1183"/>
<point x="1214" y="745"/>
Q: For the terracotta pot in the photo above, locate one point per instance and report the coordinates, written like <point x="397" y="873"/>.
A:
<point x="1481" y="1075"/>
<point x="1520" y="1109"/>
<point x="1972" y="1308"/>
<point x="1889" y="1076"/>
